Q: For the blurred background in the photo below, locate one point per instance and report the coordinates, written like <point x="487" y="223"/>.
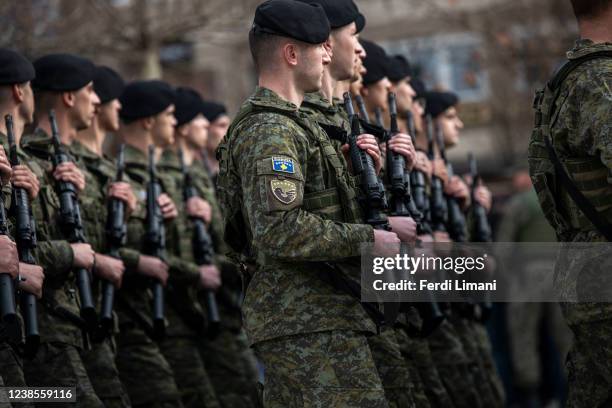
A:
<point x="493" y="53"/>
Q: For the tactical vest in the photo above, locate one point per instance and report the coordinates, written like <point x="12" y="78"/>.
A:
<point x="337" y="202"/>
<point x="572" y="190"/>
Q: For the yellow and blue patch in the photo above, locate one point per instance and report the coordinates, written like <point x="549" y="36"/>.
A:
<point x="283" y="165"/>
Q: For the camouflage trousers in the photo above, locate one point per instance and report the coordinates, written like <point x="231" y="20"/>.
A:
<point x="60" y="365"/>
<point x="428" y="390"/>
<point x="190" y="373"/>
<point x="392" y="369"/>
<point x="11" y="371"/>
<point x="231" y="369"/>
<point x="104" y="375"/>
<point x="456" y="370"/>
<point x="326" y="369"/>
<point x="143" y="370"/>
<point x="475" y="340"/>
<point x="589" y="361"/>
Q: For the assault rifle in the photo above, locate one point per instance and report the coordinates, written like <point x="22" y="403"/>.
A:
<point x="72" y="227"/>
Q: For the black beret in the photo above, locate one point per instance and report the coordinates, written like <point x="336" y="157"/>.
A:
<point x="212" y="110"/>
<point x="108" y="84"/>
<point x="62" y="72"/>
<point x="376" y="62"/>
<point x="399" y="68"/>
<point x="339" y="12"/>
<point x="294" y="19"/>
<point x="143" y="99"/>
<point x="419" y="87"/>
<point x="15" y="68"/>
<point x="187" y="105"/>
<point x="438" y="102"/>
<point x="361" y="22"/>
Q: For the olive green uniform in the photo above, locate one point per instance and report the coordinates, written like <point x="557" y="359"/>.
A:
<point x="276" y="166"/>
<point x="58" y="361"/>
<point x="575" y="116"/>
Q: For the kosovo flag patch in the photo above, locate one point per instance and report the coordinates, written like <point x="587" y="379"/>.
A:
<point x="282" y="165"/>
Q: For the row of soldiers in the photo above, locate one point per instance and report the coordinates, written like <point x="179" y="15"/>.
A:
<point x="304" y="181"/>
<point x="123" y="288"/>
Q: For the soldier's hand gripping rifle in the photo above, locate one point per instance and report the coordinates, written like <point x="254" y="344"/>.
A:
<point x="456" y="225"/>
<point x="116" y="234"/>
<point x="438" y="207"/>
<point x="8" y="312"/>
<point x="480" y="230"/>
<point x="72" y="227"/>
<point x="203" y="251"/>
<point x="155" y="243"/>
<point x="401" y="200"/>
<point x="25" y="237"/>
<point x="363" y="166"/>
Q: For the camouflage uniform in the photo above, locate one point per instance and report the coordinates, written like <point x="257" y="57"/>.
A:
<point x="229" y="359"/>
<point x="142" y="366"/>
<point x="58" y="361"/>
<point x="100" y="359"/>
<point x="394" y="371"/>
<point x="579" y="127"/>
<point x="277" y="182"/>
<point x="187" y="322"/>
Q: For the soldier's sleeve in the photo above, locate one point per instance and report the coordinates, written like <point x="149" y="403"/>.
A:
<point x="130" y="257"/>
<point x="595" y="117"/>
<point x="271" y="159"/>
<point x="182" y="272"/>
<point x="55" y="257"/>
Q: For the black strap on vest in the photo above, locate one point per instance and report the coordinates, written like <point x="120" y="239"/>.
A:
<point x="600" y="223"/>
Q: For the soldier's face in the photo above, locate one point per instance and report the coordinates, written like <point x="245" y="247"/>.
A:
<point x="451" y="126"/>
<point x="86" y="103"/>
<point x="404" y="94"/>
<point x="375" y="94"/>
<point x="345" y="47"/>
<point x="197" y="132"/>
<point x="310" y="73"/>
<point x="217" y="131"/>
<point x="108" y="115"/>
<point x="163" y="128"/>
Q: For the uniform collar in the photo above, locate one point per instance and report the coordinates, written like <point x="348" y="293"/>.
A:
<point x="265" y="97"/>
<point x="586" y="46"/>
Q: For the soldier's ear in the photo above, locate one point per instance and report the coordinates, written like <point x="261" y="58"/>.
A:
<point x="18" y="92"/>
<point x="290" y="53"/>
<point x="68" y="99"/>
<point x="147" y="123"/>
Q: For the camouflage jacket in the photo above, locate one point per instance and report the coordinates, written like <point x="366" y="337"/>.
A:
<point x="272" y="164"/>
<point x="99" y="173"/>
<point x="579" y="125"/>
<point x="53" y="253"/>
<point x="136" y="291"/>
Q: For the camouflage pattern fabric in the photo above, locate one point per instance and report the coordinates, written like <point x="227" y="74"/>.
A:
<point x="142" y="366"/>
<point x="100" y="360"/>
<point x="579" y="126"/>
<point x="11" y="370"/>
<point x="336" y="369"/>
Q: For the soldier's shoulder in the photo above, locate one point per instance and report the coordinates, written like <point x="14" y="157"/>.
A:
<point x="592" y="74"/>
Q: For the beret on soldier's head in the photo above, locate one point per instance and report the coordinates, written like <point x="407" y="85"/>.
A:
<point x="438" y="102"/>
<point x="143" y="99"/>
<point x="294" y="19"/>
<point x="212" y="110"/>
<point x="419" y="87"/>
<point x="108" y="84"/>
<point x="340" y="13"/>
<point x="376" y="62"/>
<point x="187" y="105"/>
<point x="15" y="68"/>
<point x="399" y="68"/>
<point x="62" y="72"/>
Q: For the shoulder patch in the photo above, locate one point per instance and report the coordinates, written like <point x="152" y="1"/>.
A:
<point x="284" y="191"/>
<point x="283" y="165"/>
